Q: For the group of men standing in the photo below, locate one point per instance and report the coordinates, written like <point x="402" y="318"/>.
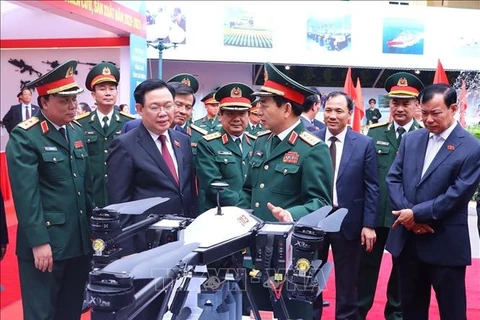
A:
<point x="288" y="169"/>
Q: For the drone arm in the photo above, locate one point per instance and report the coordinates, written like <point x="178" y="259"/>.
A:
<point x="133" y="229"/>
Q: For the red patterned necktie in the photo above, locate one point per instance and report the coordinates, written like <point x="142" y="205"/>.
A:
<point x="167" y="157"/>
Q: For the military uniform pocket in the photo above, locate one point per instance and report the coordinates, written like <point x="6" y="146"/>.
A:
<point x="54" y="222"/>
<point x="383" y="153"/>
<point x="91" y="140"/>
<point x="53" y="166"/>
<point x="226" y="163"/>
<point x="286" y="180"/>
<point x="81" y="159"/>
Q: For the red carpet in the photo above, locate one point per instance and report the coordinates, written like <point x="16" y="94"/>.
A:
<point x="10" y="303"/>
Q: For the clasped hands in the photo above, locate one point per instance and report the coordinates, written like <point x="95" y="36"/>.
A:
<point x="406" y="219"/>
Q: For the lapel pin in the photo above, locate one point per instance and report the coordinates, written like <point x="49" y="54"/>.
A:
<point x="450" y="147"/>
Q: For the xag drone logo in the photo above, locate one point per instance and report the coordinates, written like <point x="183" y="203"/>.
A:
<point x="301" y="244"/>
<point x="97" y="301"/>
<point x="243" y="220"/>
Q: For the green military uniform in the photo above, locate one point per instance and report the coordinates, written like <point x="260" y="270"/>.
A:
<point x="210" y="125"/>
<point x="255" y="129"/>
<point x="99" y="140"/>
<point x="401" y="86"/>
<point x="51" y="185"/>
<point x="296" y="175"/>
<point x="373" y="115"/>
<point x="219" y="158"/>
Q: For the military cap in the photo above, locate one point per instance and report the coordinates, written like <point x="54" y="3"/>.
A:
<point x="403" y="85"/>
<point x="234" y="96"/>
<point x="186" y="79"/>
<point x="254" y="108"/>
<point x="102" y="72"/>
<point x="58" y="81"/>
<point x="209" y="98"/>
<point x="278" y="84"/>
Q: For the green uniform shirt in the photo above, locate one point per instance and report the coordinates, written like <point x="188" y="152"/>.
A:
<point x="386" y="145"/>
<point x="296" y="176"/>
<point x="98" y="142"/>
<point x="51" y="187"/>
<point x="219" y="159"/>
<point x="206" y="124"/>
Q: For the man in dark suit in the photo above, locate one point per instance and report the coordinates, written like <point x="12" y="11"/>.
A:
<point x="52" y="191"/>
<point x="403" y="89"/>
<point x="152" y="161"/>
<point x="102" y="125"/>
<point x="185" y="86"/>
<point x="20" y="112"/>
<point x="311" y="106"/>
<point x="355" y="188"/>
<point x="430" y="183"/>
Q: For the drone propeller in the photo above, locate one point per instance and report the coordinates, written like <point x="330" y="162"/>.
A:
<point x="322" y="276"/>
<point x="162" y="264"/>
<point x="333" y="222"/>
<point x="313" y="218"/>
<point x="138" y="206"/>
<point x="128" y="263"/>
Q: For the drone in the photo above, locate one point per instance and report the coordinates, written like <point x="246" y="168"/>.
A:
<point x="283" y="255"/>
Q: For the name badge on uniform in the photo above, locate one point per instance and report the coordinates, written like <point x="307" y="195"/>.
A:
<point x="51" y="149"/>
<point x="383" y="143"/>
<point x="225" y="153"/>
<point x="89" y="132"/>
<point x="78" y="144"/>
<point x="291" y="157"/>
<point x="258" y="153"/>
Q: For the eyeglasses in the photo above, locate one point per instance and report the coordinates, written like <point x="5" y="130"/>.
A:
<point x="157" y="109"/>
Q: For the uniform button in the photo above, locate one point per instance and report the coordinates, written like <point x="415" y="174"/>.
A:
<point x="245" y="176"/>
<point x="81" y="212"/>
<point x="257" y="204"/>
<point x="106" y="138"/>
<point x="82" y="156"/>
<point x="266" y="167"/>
<point x="225" y="160"/>
<point x="243" y="162"/>
<point x="285" y="171"/>
<point x="262" y="185"/>
<point x="88" y="140"/>
<point x="74" y="175"/>
<point x="106" y="175"/>
<point x="106" y="151"/>
<point x="48" y="224"/>
<point x="105" y="163"/>
<point x="54" y="159"/>
<point x="379" y="151"/>
<point x="71" y="157"/>
<point x="79" y="193"/>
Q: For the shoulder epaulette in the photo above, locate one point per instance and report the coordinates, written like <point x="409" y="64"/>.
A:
<point x="198" y="129"/>
<point x="128" y="115"/>
<point x="27" y="124"/>
<point x="262" y="133"/>
<point x="251" y="136"/>
<point x="83" y="115"/>
<point x="77" y="123"/>
<point x="310" y="138"/>
<point x="212" y="136"/>
<point x="380" y="124"/>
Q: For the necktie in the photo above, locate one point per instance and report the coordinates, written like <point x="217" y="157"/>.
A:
<point x="27" y="113"/>
<point x="105" y="124"/>
<point x="333" y="153"/>
<point x="238" y="142"/>
<point x="63" y="132"/>
<point x="167" y="157"/>
<point x="275" y="142"/>
<point x="400" y="131"/>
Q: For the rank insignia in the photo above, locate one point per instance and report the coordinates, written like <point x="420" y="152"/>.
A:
<point x="177" y="144"/>
<point x="224" y="138"/>
<point x="44" y="126"/>
<point x="78" y="144"/>
<point x="291" y="157"/>
<point x="450" y="147"/>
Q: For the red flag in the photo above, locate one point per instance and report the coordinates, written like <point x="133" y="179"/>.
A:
<point x="440" y="75"/>
<point x="348" y="87"/>
<point x="358" y="110"/>
<point x="463" y="104"/>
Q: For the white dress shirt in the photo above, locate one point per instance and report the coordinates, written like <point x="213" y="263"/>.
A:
<point x="339" y="144"/>
<point x="109" y="116"/>
<point x="435" y="142"/>
<point x="282" y="135"/>
<point x="168" y="142"/>
<point x="406" y="127"/>
<point x="24" y="111"/>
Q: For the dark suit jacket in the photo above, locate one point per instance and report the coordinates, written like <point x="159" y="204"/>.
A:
<point x="319" y="124"/>
<point x="14" y="116"/>
<point x="439" y="198"/>
<point x="130" y="125"/>
<point x="310" y="127"/>
<point x="357" y="183"/>
<point x="136" y="170"/>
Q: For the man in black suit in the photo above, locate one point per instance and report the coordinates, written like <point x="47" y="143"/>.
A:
<point x="20" y="112"/>
<point x="355" y="187"/>
<point x="431" y="182"/>
<point x="311" y="106"/>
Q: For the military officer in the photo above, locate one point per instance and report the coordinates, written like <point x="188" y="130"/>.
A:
<point x="290" y="172"/>
<point x="222" y="156"/>
<point x="372" y="114"/>
<point x="403" y="89"/>
<point x="51" y="185"/>
<point x="210" y="122"/>
<point x="254" y="125"/>
<point x="102" y="125"/>
<point x="185" y="86"/>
